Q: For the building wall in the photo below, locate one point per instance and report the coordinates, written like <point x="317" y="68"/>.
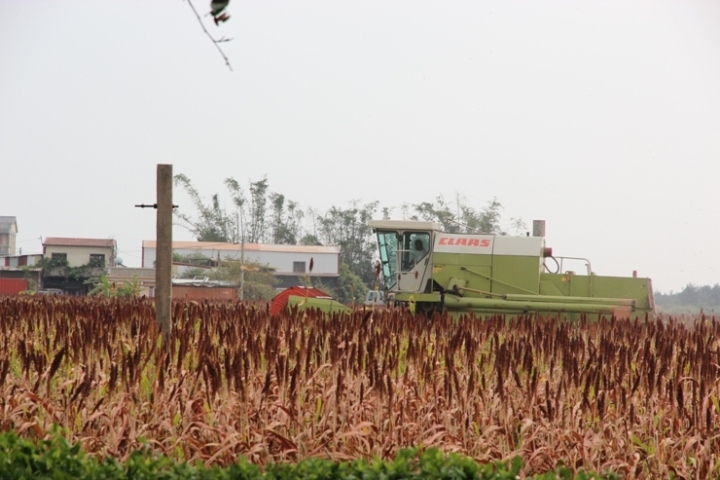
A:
<point x="12" y="286"/>
<point x="145" y="277"/>
<point x="7" y="239"/>
<point x="283" y="262"/>
<point x="7" y="244"/>
<point x="21" y="260"/>
<point x="186" y="292"/>
<point x="77" y="256"/>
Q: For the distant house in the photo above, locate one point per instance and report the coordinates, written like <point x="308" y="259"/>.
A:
<point x="82" y="251"/>
<point x="8" y="232"/>
<point x="86" y="257"/>
<point x="289" y="263"/>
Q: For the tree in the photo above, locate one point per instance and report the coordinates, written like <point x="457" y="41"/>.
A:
<point x="348" y="229"/>
<point x="129" y="288"/>
<point x="104" y="288"/>
<point x="310" y="239"/>
<point x="238" y="198"/>
<point x="285" y="221"/>
<point x="464" y="218"/>
<point x="259" y="284"/>
<point x="691" y="299"/>
<point x="194" y="272"/>
<point x="351" y="288"/>
<point x="213" y="223"/>
<point x="485" y="221"/>
<point x="258" y="201"/>
<point x="27" y="275"/>
<point x="194" y="258"/>
<point x="438" y="212"/>
<point x="286" y="216"/>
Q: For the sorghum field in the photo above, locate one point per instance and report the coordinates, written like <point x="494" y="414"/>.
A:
<point x="639" y="398"/>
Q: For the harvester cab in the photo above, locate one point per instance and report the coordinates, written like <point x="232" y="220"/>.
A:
<point x="428" y="269"/>
<point x="405" y="253"/>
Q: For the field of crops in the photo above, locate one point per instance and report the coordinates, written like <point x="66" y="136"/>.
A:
<point x="638" y="398"/>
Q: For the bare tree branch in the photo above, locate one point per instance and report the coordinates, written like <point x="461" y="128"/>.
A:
<point x="215" y="42"/>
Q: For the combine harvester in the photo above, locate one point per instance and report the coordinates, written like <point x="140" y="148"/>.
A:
<point x="429" y="270"/>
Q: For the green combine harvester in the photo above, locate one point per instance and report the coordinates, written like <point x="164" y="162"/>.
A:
<point x="429" y="270"/>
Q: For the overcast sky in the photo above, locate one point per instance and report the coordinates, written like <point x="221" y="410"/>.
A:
<point x="602" y="118"/>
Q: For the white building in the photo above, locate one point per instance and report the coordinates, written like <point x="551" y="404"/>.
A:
<point x="289" y="262"/>
<point x="92" y="255"/>
<point x="97" y="252"/>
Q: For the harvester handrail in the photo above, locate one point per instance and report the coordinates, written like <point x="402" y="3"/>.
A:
<point x="587" y="263"/>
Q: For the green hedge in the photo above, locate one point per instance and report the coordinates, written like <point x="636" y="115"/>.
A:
<point x="58" y="460"/>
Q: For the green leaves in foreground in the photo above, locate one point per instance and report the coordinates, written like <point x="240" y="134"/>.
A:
<point x="56" y="459"/>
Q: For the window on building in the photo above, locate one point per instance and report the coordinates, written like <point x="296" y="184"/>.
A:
<point x="59" y="256"/>
<point x="298" y="267"/>
<point x="97" y="259"/>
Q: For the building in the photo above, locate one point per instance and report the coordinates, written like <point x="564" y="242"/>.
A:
<point x="290" y="263"/>
<point x="203" y="289"/>
<point x="22" y="267"/>
<point x="8" y="232"/>
<point x="19" y="261"/>
<point x="97" y="252"/>
<point x="182" y="289"/>
<point x="71" y="262"/>
<point x="145" y="278"/>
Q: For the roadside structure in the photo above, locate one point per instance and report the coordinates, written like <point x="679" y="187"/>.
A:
<point x="289" y="263"/>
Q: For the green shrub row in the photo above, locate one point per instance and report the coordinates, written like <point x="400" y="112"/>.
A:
<point x="58" y="460"/>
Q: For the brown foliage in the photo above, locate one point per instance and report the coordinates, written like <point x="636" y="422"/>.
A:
<point x="638" y="398"/>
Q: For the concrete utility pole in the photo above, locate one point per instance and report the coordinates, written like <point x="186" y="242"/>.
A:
<point x="242" y="256"/>
<point x="163" y="261"/>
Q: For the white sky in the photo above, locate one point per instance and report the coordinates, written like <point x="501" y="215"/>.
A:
<point x="602" y="118"/>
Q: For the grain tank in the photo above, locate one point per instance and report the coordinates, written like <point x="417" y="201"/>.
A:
<point x="428" y="269"/>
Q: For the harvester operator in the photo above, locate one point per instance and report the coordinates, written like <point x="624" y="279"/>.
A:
<point x="419" y="252"/>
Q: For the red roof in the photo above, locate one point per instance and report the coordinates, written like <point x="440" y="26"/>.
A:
<point x="79" y="242"/>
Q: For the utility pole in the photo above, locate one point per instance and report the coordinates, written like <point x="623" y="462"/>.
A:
<point x="163" y="256"/>
<point x="242" y="256"/>
<point x="163" y="261"/>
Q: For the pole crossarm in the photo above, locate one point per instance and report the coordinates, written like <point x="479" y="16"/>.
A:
<point x="154" y="205"/>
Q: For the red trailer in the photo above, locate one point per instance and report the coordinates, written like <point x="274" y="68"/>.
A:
<point x="280" y="301"/>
